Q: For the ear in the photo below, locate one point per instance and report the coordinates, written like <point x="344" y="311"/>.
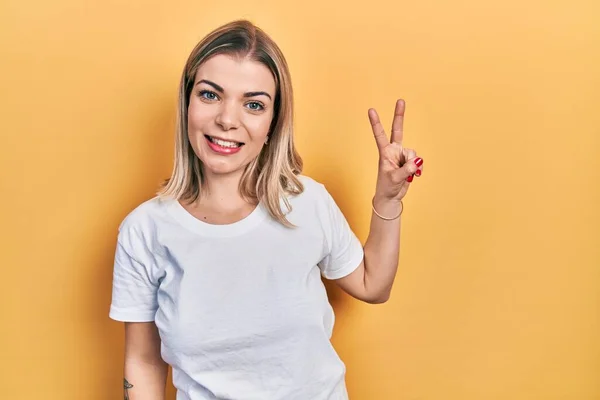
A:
<point x="267" y="140"/>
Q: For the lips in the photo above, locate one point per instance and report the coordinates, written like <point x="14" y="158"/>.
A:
<point x="223" y="142"/>
<point x="222" y="146"/>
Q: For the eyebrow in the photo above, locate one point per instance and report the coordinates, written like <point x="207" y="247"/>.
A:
<point x="220" y="89"/>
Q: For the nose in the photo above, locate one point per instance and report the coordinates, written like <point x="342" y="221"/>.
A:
<point x="228" y="117"/>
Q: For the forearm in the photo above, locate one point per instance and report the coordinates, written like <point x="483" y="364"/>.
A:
<point x="382" y="249"/>
<point x="398" y="165"/>
<point x="145" y="380"/>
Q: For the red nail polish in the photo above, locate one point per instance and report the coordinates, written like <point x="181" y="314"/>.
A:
<point x="419" y="161"/>
<point x="409" y="179"/>
<point x="418" y="173"/>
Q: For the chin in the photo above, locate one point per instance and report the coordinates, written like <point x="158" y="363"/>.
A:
<point x="219" y="165"/>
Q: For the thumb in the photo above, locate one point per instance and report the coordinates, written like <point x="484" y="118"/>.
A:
<point x="406" y="172"/>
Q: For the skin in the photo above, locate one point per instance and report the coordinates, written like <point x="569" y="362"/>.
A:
<point x="126" y="387"/>
<point x="232" y="99"/>
<point x="372" y="281"/>
<point x="229" y="112"/>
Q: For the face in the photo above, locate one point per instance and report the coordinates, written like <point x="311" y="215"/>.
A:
<point x="230" y="112"/>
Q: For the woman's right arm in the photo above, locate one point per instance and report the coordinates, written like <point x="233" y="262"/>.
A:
<point x="145" y="371"/>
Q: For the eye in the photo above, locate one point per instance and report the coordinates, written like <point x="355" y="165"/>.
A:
<point x="255" y="106"/>
<point x="208" y="95"/>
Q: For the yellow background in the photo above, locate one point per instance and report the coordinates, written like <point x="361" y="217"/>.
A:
<point x="498" y="292"/>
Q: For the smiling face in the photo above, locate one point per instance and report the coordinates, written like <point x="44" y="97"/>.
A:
<point x="229" y="113"/>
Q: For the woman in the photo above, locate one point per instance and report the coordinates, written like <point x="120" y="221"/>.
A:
<point x="219" y="275"/>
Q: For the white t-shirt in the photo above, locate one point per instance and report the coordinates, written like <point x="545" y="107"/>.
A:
<point x="241" y="309"/>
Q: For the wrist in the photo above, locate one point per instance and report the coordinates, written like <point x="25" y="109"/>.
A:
<point x="387" y="209"/>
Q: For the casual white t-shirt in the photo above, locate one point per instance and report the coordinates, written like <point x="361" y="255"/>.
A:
<point x="241" y="309"/>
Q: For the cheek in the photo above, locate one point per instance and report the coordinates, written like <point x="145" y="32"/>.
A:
<point x="259" y="128"/>
<point x="197" y="118"/>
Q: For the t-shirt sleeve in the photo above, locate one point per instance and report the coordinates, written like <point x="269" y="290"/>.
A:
<point x="344" y="250"/>
<point x="134" y="287"/>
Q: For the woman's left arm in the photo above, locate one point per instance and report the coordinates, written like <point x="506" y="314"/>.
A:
<point x="372" y="281"/>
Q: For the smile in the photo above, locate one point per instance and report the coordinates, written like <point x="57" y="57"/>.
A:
<point x="222" y="146"/>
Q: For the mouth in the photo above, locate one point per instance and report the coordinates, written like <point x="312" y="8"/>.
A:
<point x="222" y="146"/>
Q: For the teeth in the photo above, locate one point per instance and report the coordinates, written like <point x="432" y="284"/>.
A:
<point x="224" y="143"/>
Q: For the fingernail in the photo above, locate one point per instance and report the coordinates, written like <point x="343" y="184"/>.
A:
<point x="419" y="161"/>
<point x="410" y="178"/>
<point x="418" y="173"/>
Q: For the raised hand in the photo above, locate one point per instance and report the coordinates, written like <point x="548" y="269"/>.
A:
<point x="397" y="164"/>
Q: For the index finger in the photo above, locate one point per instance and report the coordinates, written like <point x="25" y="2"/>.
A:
<point x="397" y="125"/>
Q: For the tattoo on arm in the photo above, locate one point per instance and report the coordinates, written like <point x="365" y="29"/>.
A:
<point x="126" y="386"/>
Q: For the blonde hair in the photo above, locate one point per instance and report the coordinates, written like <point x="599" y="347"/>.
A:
<point x="271" y="176"/>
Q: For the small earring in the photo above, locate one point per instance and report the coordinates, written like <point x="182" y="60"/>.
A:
<point x="267" y="140"/>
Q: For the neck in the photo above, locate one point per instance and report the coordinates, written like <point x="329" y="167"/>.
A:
<point x="222" y="191"/>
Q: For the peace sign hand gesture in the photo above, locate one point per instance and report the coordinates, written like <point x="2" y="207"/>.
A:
<point x="397" y="164"/>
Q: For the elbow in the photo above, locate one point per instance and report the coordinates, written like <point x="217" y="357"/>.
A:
<point x="379" y="298"/>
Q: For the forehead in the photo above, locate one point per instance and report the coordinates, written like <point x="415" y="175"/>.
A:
<point x="237" y="75"/>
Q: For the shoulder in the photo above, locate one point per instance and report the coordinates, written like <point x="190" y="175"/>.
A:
<point x="315" y="195"/>
<point x="312" y="187"/>
<point x="141" y="222"/>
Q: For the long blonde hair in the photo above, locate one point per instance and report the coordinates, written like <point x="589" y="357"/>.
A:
<point x="271" y="176"/>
